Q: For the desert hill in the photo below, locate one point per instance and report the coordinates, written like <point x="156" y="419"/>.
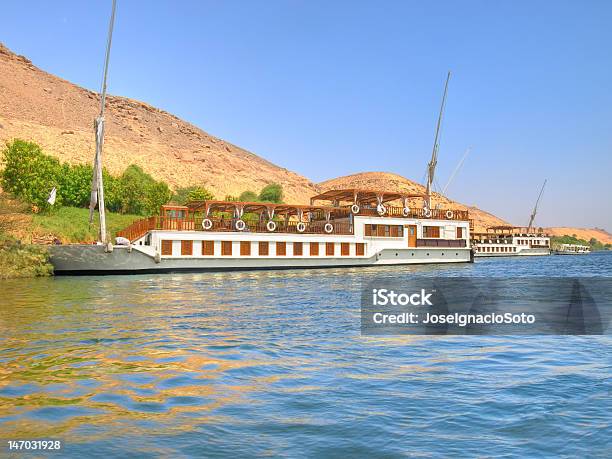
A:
<point x="582" y="233"/>
<point x="392" y="182"/>
<point x="58" y="115"/>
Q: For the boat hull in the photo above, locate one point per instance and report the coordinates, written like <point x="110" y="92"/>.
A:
<point x="93" y="259"/>
<point x="522" y="253"/>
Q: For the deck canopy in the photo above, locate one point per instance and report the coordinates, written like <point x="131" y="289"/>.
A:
<point x="271" y="209"/>
<point x="361" y="196"/>
<point x="513" y="229"/>
<point x="508" y="230"/>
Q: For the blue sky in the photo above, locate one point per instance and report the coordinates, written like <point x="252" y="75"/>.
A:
<point x="330" y="88"/>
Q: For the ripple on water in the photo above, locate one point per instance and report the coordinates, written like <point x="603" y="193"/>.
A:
<point x="272" y="363"/>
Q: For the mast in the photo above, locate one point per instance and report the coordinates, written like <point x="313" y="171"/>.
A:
<point x="535" y="209"/>
<point x="457" y="168"/>
<point x="97" y="184"/>
<point x="431" y="167"/>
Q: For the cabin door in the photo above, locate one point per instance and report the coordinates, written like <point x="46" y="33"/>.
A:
<point x="412" y="235"/>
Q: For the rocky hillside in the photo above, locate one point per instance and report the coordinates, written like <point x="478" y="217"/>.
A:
<point x="58" y="115"/>
<point x="393" y="182"/>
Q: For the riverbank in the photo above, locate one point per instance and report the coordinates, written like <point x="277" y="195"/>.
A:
<point x="21" y="260"/>
<point x="24" y="235"/>
<point x="70" y="225"/>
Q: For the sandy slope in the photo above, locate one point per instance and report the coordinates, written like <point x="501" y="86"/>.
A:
<point x="392" y="182"/>
<point x="58" y="115"/>
<point x="582" y="233"/>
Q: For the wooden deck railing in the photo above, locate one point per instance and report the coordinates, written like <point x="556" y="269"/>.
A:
<point x="139" y="228"/>
<point x="436" y="214"/>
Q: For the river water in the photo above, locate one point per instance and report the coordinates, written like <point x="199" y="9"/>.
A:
<point x="274" y="364"/>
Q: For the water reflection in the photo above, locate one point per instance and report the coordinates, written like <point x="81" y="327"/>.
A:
<point x="197" y="363"/>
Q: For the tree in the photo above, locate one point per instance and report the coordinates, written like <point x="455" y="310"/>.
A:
<point x="229" y="197"/>
<point x="191" y="193"/>
<point x="248" y="196"/>
<point x="29" y="174"/>
<point x="157" y="195"/>
<point x="75" y="185"/>
<point x="134" y="183"/>
<point x="140" y="193"/>
<point x="200" y="194"/>
<point x="271" y="193"/>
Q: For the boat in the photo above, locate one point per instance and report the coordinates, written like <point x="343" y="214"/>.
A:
<point x="349" y="227"/>
<point x="505" y="241"/>
<point x="572" y="249"/>
<point x="340" y="228"/>
<point x="508" y="241"/>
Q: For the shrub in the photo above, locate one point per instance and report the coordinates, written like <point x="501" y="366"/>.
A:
<point x="75" y="185"/>
<point x="140" y="193"/>
<point x="248" y="196"/>
<point x="191" y="193"/>
<point x="271" y="193"/>
<point x="30" y="174"/>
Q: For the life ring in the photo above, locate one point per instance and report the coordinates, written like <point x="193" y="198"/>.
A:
<point x="328" y="228"/>
<point x="301" y="227"/>
<point x="449" y="214"/>
<point x="427" y="212"/>
<point x="207" y="223"/>
<point x="240" y="225"/>
<point x="271" y="225"/>
<point x="406" y="211"/>
<point x="381" y="209"/>
<point x="355" y="209"/>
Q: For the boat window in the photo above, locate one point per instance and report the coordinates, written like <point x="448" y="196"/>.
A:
<point x="281" y="249"/>
<point x="384" y="230"/>
<point x="245" y="248"/>
<point x="226" y="248"/>
<point x="297" y="249"/>
<point x="431" y="231"/>
<point x="186" y="247"/>
<point x="166" y="247"/>
<point x="345" y="249"/>
<point x="314" y="249"/>
<point x="208" y="247"/>
<point x="263" y="248"/>
<point x="329" y="248"/>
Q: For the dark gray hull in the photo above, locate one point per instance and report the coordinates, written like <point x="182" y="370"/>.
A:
<point x="93" y="259"/>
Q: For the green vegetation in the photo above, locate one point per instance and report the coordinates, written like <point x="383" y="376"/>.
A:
<point x="71" y="224"/>
<point x="16" y="259"/>
<point x="192" y="193"/>
<point x="271" y="193"/>
<point x="30" y="175"/>
<point x="140" y="193"/>
<point x="593" y="243"/>
<point x="248" y="196"/>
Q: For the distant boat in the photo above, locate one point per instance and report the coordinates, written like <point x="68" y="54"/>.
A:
<point x="572" y="249"/>
<point x="505" y="241"/>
